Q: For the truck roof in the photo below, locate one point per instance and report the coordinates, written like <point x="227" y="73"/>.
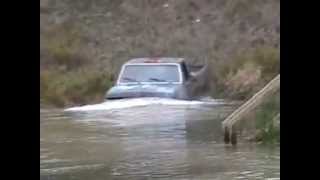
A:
<point x="155" y="60"/>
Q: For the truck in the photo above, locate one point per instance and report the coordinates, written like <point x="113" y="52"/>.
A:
<point x="159" y="77"/>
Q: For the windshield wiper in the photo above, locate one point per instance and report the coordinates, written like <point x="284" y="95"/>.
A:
<point x="158" y="80"/>
<point x="130" y="79"/>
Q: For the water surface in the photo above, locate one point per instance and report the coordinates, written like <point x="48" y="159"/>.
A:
<point x="148" y="139"/>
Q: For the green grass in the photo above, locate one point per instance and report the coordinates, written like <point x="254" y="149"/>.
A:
<point x="65" y="46"/>
<point x="64" y="88"/>
<point x="68" y="74"/>
<point x="261" y="63"/>
<point x="269" y="132"/>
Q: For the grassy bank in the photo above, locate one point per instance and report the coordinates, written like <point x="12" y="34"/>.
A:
<point x="69" y="80"/>
<point x="61" y="88"/>
<point x="267" y="123"/>
<point x="243" y="76"/>
<point x="263" y="123"/>
<point x="241" y="40"/>
<point x="246" y="73"/>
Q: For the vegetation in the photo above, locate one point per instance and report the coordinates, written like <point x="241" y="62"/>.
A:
<point x="61" y="88"/>
<point x="247" y="73"/>
<point x="263" y="123"/>
<point x="84" y="43"/>
<point x="268" y="127"/>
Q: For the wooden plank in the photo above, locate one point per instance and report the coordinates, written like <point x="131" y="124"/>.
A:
<point x="249" y="105"/>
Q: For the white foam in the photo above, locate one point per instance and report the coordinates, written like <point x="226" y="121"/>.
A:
<point x="68" y="168"/>
<point x="128" y="103"/>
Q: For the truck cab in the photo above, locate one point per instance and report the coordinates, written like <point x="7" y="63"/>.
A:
<point x="154" y="77"/>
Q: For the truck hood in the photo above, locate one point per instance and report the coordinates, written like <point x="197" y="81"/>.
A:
<point x="143" y="90"/>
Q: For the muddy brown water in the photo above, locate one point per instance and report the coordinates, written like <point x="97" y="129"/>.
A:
<point x="148" y="142"/>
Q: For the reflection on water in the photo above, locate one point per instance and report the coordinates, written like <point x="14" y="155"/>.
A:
<point x="183" y="141"/>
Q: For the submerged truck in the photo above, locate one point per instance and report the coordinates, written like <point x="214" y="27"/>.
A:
<point x="159" y="77"/>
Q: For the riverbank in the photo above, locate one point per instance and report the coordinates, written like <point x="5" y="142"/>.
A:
<point x="61" y="88"/>
<point x="262" y="125"/>
<point x="82" y="50"/>
<point x="239" y="79"/>
<point x="268" y="121"/>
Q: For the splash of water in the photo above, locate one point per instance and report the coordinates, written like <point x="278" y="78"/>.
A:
<point x="128" y="103"/>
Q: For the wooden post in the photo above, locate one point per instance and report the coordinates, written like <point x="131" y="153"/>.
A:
<point x="226" y="135"/>
<point x="234" y="137"/>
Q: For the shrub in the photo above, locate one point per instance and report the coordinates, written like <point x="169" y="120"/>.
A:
<point x="65" y="47"/>
<point x="247" y="73"/>
<point x="61" y="88"/>
<point x="268" y="130"/>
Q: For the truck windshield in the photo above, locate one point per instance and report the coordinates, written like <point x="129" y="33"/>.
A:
<point x="150" y="73"/>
